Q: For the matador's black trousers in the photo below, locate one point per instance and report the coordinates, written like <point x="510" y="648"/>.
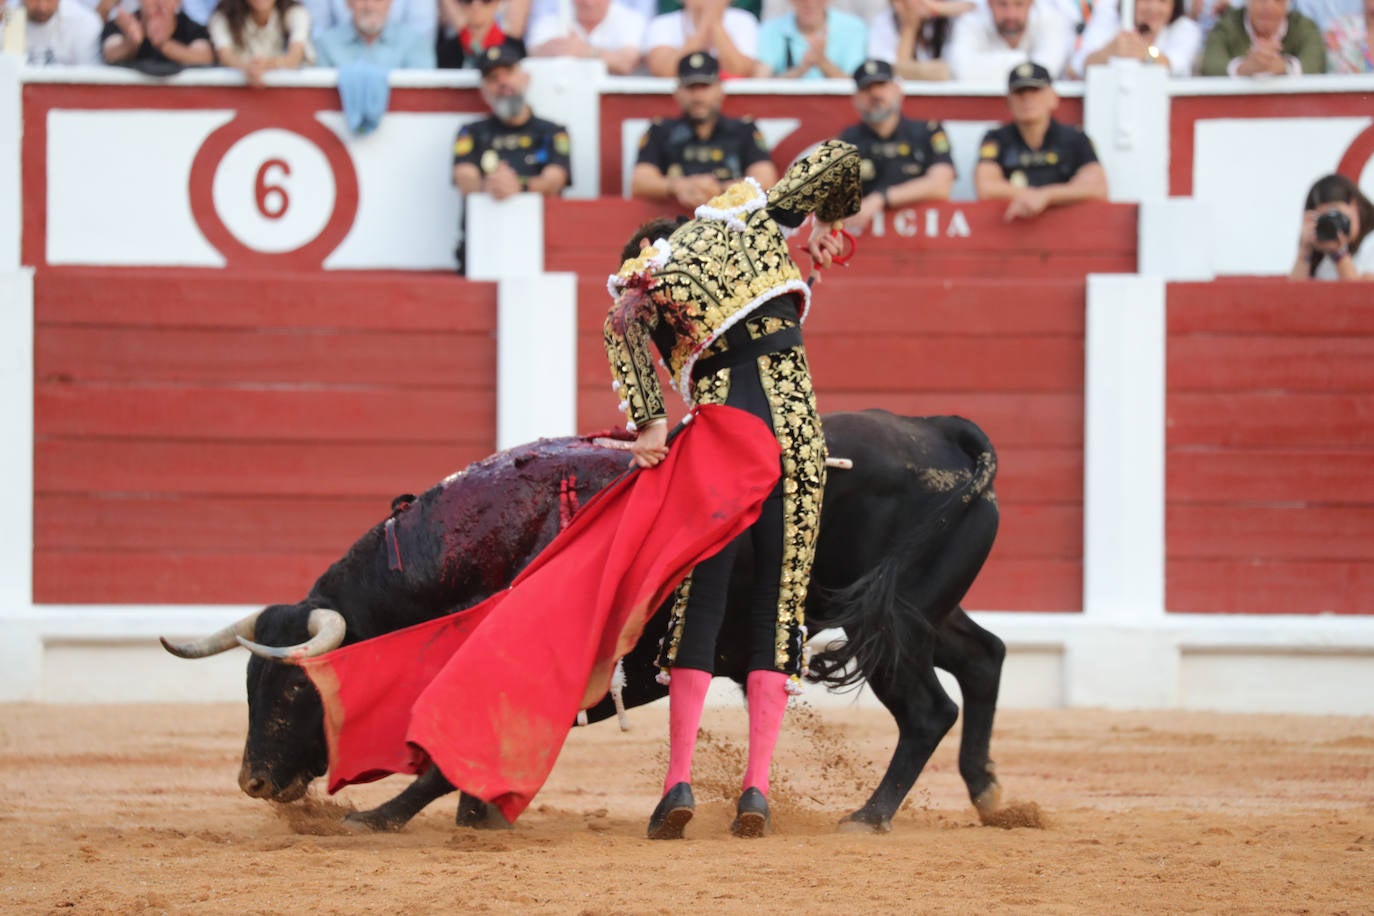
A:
<point x="775" y="386"/>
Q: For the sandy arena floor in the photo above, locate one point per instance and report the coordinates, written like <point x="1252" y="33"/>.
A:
<point x="135" y="809"/>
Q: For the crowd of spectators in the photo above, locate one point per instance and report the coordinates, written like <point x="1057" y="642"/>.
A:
<point x="967" y="40"/>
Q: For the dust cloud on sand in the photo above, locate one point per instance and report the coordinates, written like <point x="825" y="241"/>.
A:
<point x="134" y="809"/>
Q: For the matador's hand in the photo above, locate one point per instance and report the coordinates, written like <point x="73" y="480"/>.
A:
<point x="650" y="445"/>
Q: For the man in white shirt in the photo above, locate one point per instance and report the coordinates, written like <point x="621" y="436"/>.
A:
<point x="598" y="28"/>
<point x="61" y="33"/>
<point x="710" y="26"/>
<point x="989" y="41"/>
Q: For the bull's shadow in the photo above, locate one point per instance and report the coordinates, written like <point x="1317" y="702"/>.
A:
<point x="904" y="532"/>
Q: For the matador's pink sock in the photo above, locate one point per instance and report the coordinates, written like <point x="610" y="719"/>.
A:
<point x="686" y="697"/>
<point x="767" y="692"/>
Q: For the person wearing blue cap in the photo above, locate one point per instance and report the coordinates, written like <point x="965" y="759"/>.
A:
<point x="1036" y="162"/>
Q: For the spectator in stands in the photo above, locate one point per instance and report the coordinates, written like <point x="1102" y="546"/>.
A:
<point x="421" y="16"/>
<point x="61" y="33"/>
<point x="1347" y="42"/>
<point x="1035" y="162"/>
<point x="607" y="29"/>
<point x="1337" y="220"/>
<point x="904" y="161"/>
<point x="692" y="158"/>
<point x="1324" y="12"/>
<point x="160" y="39"/>
<point x="511" y="150"/>
<point x="1000" y="34"/>
<point x="1264" y="38"/>
<point x="370" y="37"/>
<point x="103" y="8"/>
<point x="813" y="42"/>
<point x="706" y="26"/>
<point x="260" y="35"/>
<point x="1162" y="35"/>
<point x="754" y="8"/>
<point x="912" y="36"/>
<point x="472" y="27"/>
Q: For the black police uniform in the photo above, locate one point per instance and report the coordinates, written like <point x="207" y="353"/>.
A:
<point x="1066" y="149"/>
<point x="527" y="149"/>
<point x="912" y="149"/>
<point x="673" y="147"/>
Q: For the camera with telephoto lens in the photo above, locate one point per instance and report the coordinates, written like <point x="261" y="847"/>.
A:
<point x="1331" y="225"/>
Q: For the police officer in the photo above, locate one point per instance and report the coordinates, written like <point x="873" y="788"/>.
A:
<point x="1035" y="162"/>
<point x="512" y="150"/>
<point x="904" y="161"/>
<point x="693" y="158"/>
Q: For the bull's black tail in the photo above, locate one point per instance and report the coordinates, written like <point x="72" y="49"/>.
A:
<point x="882" y="611"/>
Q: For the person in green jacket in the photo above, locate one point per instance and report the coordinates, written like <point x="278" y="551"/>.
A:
<point x="1263" y="38"/>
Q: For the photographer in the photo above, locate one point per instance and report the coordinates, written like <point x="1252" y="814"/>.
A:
<point x="1336" y="220"/>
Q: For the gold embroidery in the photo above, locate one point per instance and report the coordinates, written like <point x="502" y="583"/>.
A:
<point x="716" y="274"/>
<point x="787" y="384"/>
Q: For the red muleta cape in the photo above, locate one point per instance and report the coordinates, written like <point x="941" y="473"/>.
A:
<point x="489" y="694"/>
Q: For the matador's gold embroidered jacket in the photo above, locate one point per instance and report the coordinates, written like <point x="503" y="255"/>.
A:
<point x="713" y="271"/>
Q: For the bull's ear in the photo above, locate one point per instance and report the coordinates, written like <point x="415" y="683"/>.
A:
<point x="221" y="641"/>
<point x="327" y="629"/>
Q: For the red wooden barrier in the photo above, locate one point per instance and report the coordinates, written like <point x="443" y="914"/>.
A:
<point x="211" y="436"/>
<point x="895" y="331"/>
<point x="1270" y="452"/>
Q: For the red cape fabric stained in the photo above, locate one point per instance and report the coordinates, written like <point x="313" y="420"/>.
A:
<point x="488" y="694"/>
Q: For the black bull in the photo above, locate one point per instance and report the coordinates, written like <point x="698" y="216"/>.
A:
<point x="903" y="534"/>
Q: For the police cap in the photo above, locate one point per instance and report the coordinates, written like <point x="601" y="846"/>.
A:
<point x="502" y="55"/>
<point x="697" y="69"/>
<point x="872" y="71"/>
<point x="1029" y="75"/>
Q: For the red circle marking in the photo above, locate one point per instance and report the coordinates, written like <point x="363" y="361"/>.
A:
<point x="1357" y="155"/>
<point x="309" y="256"/>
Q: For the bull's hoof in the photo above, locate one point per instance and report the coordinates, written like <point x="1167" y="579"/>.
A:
<point x="862" y="821"/>
<point x="988" y="802"/>
<point x="482" y="816"/>
<point x="372" y="822"/>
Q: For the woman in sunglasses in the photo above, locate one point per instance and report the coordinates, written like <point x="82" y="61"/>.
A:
<point x="469" y="27"/>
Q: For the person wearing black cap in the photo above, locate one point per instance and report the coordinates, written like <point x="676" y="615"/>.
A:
<point x="511" y="150"/>
<point x="1035" y="162"/>
<point x="904" y="161"/>
<point x="690" y="159"/>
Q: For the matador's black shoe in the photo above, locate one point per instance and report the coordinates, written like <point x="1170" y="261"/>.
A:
<point x="672" y="814"/>
<point x="752" y="817"/>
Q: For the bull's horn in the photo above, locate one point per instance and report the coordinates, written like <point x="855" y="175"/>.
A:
<point x="215" y="643"/>
<point x="327" y="629"/>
